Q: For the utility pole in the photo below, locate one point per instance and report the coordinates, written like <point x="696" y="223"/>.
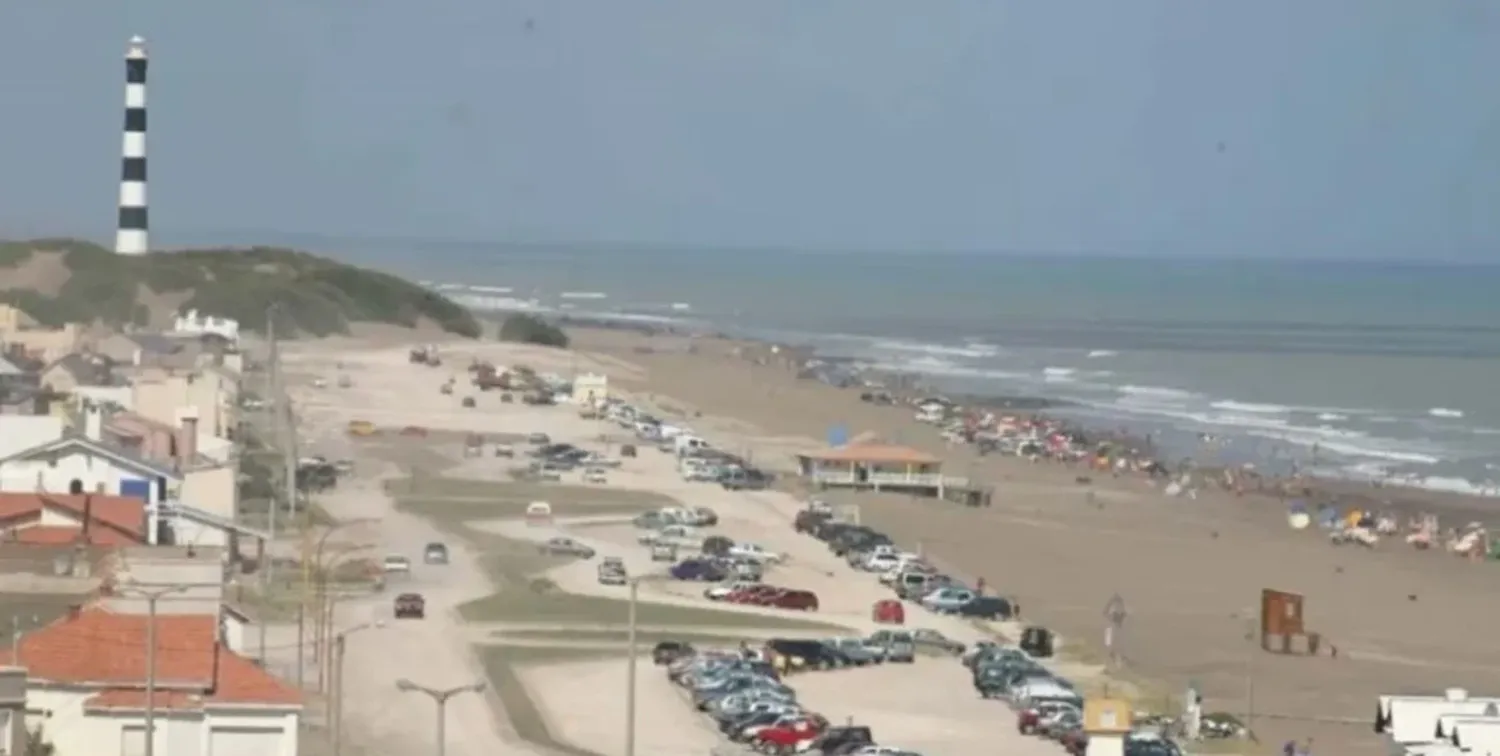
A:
<point x="439" y="697"/>
<point x="1250" y="649"/>
<point x="630" y="641"/>
<point x="152" y="595"/>
<point x="268" y="561"/>
<point x="336" y="700"/>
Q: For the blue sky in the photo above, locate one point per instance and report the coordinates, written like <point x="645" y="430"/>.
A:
<point x="1330" y="128"/>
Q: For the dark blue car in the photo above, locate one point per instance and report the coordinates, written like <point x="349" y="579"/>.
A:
<point x="698" y="569"/>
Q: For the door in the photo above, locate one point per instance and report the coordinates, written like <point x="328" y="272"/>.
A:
<point x="137" y="487"/>
<point x="133" y="741"/>
<point x="244" y="741"/>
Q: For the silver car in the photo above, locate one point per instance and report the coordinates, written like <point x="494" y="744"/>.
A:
<point x="435" y="553"/>
<point x="561" y="546"/>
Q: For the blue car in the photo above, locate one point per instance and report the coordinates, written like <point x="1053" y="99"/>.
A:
<point x="698" y="569"/>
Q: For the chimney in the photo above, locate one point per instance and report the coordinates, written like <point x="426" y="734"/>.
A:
<point x="93" y="420"/>
<point x="187" y="433"/>
<point x="88" y="517"/>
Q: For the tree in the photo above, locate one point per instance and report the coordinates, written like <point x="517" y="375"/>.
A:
<point x="530" y="329"/>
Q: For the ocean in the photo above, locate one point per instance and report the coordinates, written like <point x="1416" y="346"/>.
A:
<point x="1364" y="370"/>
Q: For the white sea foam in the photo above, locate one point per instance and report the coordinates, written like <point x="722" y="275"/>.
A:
<point x="1329" y="417"/>
<point x="1445" y="412"/>
<point x="969" y="351"/>
<point x="937" y="366"/>
<point x="1058" y="374"/>
<point x="1156" y="393"/>
<point x="1257" y="409"/>
<point x="681" y="306"/>
<point x="491" y="289"/>
<point x="1101" y="353"/>
<point x="583" y="295"/>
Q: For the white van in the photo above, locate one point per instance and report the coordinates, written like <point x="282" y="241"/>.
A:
<point x="688" y="444"/>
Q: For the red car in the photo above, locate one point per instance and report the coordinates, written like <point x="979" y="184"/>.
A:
<point x="755" y="595"/>
<point x="785" y="738"/>
<point x="806" y="601"/>
<point x="1030" y="719"/>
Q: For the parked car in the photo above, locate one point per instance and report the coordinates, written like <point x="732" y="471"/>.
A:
<point x="927" y="638"/>
<point x="754" y="551"/>
<point x="856" y="651"/>
<point x="410" y="606"/>
<point x="667" y="652"/>
<point x="894" y="645"/>
<point x="595" y="476"/>
<point x="948" y="600"/>
<point x="435" y="553"/>
<point x="538" y="439"/>
<point x="842" y="740"/>
<point x="663" y="552"/>
<point x="562" y="546"/>
<point x="724" y="590"/>
<point x="395" y="564"/>
<point x="612" y="574"/>
<point x="627" y="450"/>
<point x="987" y="607"/>
<point x="806" y="601"/>
<point x="697" y="569"/>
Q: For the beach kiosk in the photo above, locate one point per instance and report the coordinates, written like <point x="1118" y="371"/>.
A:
<point x="874" y="466"/>
<point x="1107" y="723"/>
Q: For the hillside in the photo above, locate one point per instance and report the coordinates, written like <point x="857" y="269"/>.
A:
<point x="59" y="281"/>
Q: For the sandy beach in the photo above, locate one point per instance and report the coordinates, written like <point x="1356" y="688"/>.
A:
<point x="1190" y="571"/>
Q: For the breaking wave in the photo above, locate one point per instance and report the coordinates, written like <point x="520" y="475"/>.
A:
<point x="969" y="351"/>
<point x="1445" y="412"/>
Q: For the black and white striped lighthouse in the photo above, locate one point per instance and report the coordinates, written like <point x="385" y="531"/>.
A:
<point x="131" y="237"/>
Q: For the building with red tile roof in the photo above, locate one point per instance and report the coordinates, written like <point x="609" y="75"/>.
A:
<point x="55" y="519"/>
<point x="88" y="672"/>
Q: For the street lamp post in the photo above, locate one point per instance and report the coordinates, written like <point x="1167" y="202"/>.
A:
<point x="631" y="651"/>
<point x="324" y="605"/>
<point x="306" y="578"/>
<point x="440" y="697"/>
<point x="337" y="699"/>
<point x="151" y="595"/>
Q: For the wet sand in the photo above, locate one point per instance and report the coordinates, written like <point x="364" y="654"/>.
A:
<point x="1190" y="571"/>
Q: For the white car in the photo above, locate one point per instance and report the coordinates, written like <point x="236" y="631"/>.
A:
<point x="756" y="552"/>
<point x="718" y="592"/>
<point x="670" y="534"/>
<point x="594" y="476"/>
<point x="396" y="564"/>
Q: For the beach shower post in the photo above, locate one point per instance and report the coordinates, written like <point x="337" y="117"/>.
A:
<point x="1114" y="625"/>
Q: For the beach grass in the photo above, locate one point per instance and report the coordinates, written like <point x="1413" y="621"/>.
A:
<point x="525" y="717"/>
<point x="643" y="638"/>
<point x="524" y="604"/>
<point x="513" y="564"/>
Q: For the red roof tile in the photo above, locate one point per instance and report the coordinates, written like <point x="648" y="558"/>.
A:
<point x="63" y="535"/>
<point x="101" y="647"/>
<point x="126" y="514"/>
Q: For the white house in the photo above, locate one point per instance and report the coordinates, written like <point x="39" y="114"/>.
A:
<point x="193" y="324"/>
<point x="88" y="696"/>
<point x="76" y="464"/>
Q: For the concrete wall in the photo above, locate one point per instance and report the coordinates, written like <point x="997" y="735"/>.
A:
<point x="212" y="394"/>
<point x="201" y="573"/>
<point x="211" y="490"/>
<point x="21" y="432"/>
<point x="13" y="710"/>
<point x="72" y="731"/>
